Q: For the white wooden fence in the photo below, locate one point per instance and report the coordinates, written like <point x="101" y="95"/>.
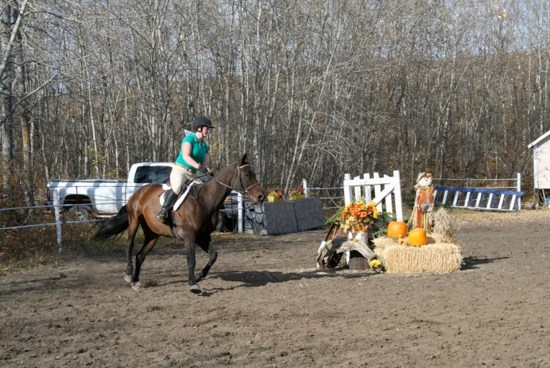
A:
<point x="385" y="191"/>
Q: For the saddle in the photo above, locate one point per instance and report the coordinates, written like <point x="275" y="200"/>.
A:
<point x="182" y="195"/>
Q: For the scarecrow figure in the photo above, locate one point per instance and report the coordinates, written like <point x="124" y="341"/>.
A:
<point x="423" y="203"/>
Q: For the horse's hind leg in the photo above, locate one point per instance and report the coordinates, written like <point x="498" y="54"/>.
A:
<point x="132" y="230"/>
<point x="148" y="244"/>
<point x="212" y="252"/>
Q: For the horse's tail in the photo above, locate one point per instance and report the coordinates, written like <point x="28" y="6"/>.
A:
<point x="112" y="226"/>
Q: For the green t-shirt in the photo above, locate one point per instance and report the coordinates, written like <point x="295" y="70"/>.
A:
<point x="198" y="151"/>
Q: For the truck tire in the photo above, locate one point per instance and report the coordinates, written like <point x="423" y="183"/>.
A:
<point x="80" y="213"/>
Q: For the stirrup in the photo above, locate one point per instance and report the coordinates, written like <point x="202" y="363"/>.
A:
<point x="163" y="215"/>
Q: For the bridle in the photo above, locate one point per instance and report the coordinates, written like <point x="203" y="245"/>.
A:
<point x="243" y="190"/>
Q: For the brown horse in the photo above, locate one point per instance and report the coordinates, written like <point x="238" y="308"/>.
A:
<point x="192" y="223"/>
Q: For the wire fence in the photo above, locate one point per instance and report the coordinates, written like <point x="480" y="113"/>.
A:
<point x="332" y="198"/>
<point x="495" y="183"/>
<point x="71" y="214"/>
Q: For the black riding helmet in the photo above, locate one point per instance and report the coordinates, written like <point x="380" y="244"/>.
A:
<point x="202" y="121"/>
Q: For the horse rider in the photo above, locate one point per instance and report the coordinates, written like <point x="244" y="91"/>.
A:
<point x="192" y="159"/>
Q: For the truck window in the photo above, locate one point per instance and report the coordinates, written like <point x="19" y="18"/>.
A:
<point x="152" y="174"/>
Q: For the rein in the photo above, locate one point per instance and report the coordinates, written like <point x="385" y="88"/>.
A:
<point x="243" y="190"/>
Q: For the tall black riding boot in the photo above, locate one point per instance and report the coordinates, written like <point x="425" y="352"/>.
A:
<point x="169" y="200"/>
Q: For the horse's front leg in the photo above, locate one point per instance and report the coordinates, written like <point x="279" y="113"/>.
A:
<point x="212" y="252"/>
<point x="189" y="236"/>
<point x="191" y="263"/>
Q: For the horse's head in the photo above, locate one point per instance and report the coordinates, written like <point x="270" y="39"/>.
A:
<point x="245" y="182"/>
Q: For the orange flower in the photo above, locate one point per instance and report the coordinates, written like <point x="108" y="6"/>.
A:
<point x="358" y="216"/>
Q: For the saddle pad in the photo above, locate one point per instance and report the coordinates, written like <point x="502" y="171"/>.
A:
<point x="181" y="197"/>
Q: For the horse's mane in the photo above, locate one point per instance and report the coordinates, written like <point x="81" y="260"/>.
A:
<point x="197" y="189"/>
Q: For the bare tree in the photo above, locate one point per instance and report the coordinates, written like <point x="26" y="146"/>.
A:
<point x="10" y="76"/>
<point x="309" y="89"/>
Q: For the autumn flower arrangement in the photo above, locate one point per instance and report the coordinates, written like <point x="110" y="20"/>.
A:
<point x="296" y="194"/>
<point x="274" y="196"/>
<point x="358" y="216"/>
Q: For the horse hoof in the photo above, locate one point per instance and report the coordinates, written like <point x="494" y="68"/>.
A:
<point x="128" y="278"/>
<point x="136" y="286"/>
<point x="195" y="289"/>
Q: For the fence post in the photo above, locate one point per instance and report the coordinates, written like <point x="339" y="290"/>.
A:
<point x="519" y="190"/>
<point x="397" y="196"/>
<point x="58" y="221"/>
<point x="347" y="189"/>
<point x="306" y="189"/>
<point x="240" y="213"/>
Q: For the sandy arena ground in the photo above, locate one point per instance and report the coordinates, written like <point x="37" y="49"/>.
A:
<point x="265" y="305"/>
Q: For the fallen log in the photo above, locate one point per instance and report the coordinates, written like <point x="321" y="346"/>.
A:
<point x="334" y="246"/>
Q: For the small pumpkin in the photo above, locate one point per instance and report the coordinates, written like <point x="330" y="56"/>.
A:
<point x="417" y="237"/>
<point x="397" y="229"/>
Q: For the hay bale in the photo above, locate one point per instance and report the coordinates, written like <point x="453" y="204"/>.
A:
<point x="382" y="243"/>
<point x="433" y="257"/>
<point x="444" y="227"/>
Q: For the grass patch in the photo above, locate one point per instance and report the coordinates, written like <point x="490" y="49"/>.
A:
<point x="30" y="247"/>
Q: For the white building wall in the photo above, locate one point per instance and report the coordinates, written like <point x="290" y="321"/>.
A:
<point x="541" y="156"/>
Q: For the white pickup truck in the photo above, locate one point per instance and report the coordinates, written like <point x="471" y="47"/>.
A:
<point x="84" y="199"/>
<point x="88" y="198"/>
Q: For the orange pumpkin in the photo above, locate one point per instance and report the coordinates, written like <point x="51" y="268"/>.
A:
<point x="417" y="237"/>
<point x="397" y="229"/>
